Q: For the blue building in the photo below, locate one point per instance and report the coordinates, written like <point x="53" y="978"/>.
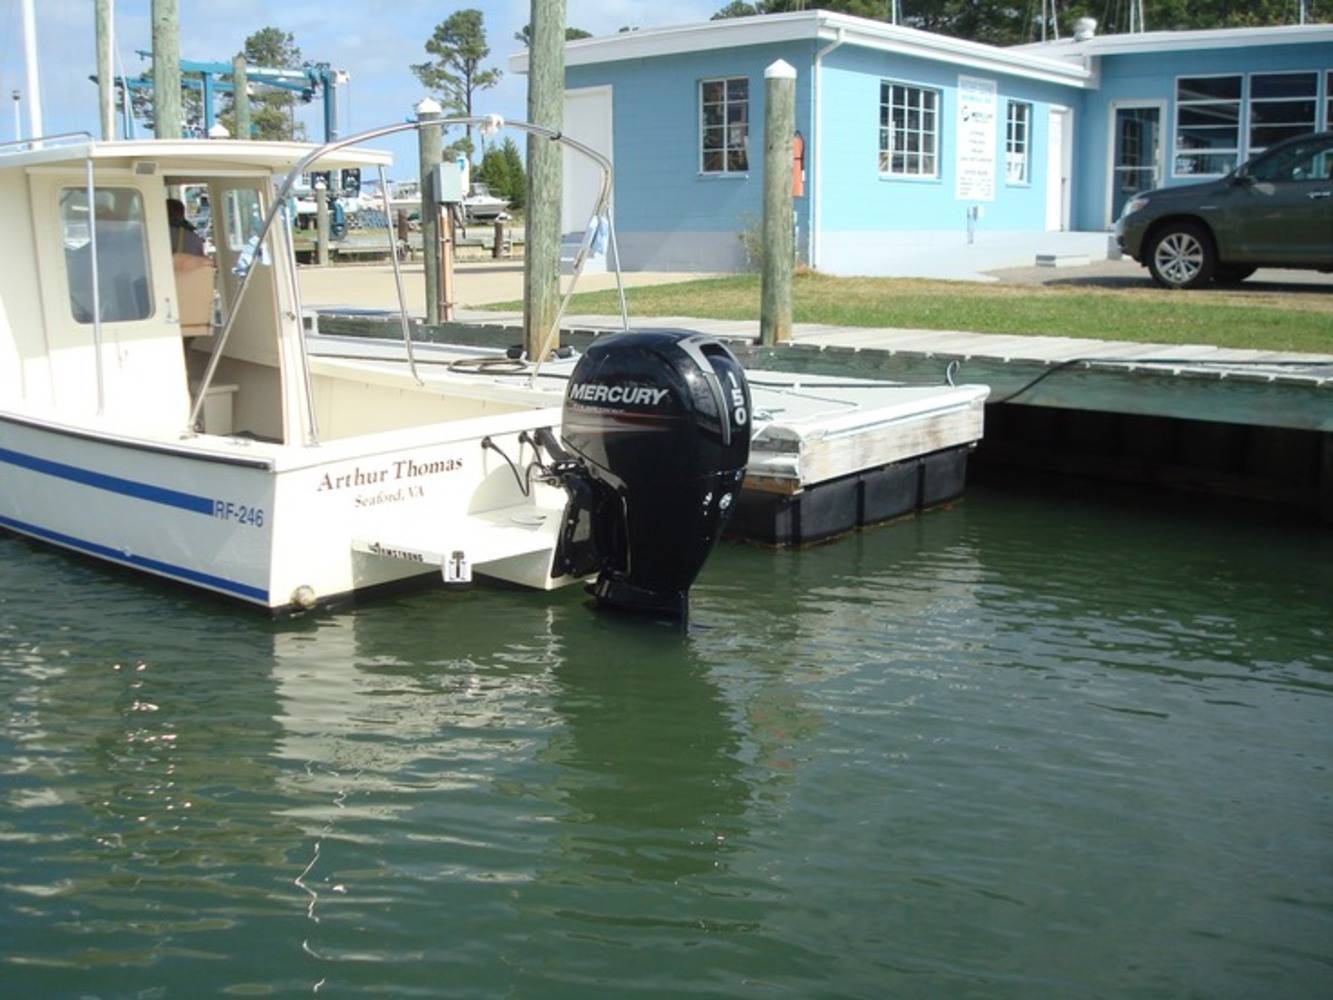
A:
<point x="921" y="146"/>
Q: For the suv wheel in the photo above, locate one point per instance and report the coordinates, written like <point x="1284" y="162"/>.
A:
<point x="1182" y="256"/>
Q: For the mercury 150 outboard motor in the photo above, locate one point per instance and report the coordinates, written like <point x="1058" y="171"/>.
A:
<point x="659" y="426"/>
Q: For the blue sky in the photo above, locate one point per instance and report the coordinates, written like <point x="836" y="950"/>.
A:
<point x="374" y="42"/>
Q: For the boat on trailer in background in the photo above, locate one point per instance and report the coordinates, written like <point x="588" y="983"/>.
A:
<point x="162" y="412"/>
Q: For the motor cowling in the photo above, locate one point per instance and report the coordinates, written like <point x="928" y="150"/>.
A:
<point x="658" y="424"/>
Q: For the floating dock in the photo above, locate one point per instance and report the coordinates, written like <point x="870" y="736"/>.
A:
<point x="1195" y="420"/>
<point x="827" y="455"/>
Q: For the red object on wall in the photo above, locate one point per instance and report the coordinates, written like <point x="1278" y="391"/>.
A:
<point x="798" y="166"/>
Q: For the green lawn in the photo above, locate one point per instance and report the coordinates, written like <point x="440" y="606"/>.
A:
<point x="1287" y="321"/>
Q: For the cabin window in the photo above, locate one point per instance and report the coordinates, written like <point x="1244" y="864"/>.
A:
<point x="1282" y="106"/>
<point x="1018" y="124"/>
<point x="123" y="285"/>
<point x="1207" y="125"/>
<point x="724" y="121"/>
<point x="244" y="217"/>
<point x="908" y="130"/>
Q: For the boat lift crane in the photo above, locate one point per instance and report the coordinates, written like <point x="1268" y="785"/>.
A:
<point x="310" y="81"/>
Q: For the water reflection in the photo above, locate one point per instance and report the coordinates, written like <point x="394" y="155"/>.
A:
<point x="123" y="841"/>
<point x="931" y="758"/>
<point x="636" y="747"/>
<point x="648" y="757"/>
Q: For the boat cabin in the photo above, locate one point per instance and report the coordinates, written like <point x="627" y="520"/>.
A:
<point x="163" y="302"/>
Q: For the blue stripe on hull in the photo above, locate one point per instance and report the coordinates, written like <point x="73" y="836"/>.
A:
<point x="141" y="562"/>
<point x="126" y="487"/>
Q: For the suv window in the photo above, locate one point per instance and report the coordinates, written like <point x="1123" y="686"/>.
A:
<point x="1305" y="161"/>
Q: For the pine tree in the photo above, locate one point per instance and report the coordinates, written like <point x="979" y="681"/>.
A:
<point x="517" y="191"/>
<point x="272" y="112"/>
<point x="459" y="47"/>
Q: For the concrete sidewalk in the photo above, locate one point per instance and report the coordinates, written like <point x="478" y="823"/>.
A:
<point x="371" y="286"/>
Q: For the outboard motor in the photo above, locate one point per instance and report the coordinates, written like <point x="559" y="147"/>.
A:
<point x="659" y="426"/>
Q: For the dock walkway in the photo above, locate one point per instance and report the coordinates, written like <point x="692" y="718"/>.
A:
<point x="1191" y="381"/>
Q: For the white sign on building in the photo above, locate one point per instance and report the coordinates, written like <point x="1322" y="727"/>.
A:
<point x="974" y="168"/>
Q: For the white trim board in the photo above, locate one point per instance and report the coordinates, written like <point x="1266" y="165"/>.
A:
<point x="1177" y="41"/>
<point x="816" y="26"/>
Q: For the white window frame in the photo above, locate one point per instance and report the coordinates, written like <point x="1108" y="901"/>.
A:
<point x="1018" y="149"/>
<point x="1327" y="102"/>
<point x="886" y="150"/>
<point x="1162" y="150"/>
<point x="727" y="148"/>
<point x="1241" y="123"/>
<point x="1250" y="101"/>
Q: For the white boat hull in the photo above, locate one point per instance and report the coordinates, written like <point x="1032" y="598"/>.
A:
<point x="278" y="530"/>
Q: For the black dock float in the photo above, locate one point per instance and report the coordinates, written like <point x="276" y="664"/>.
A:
<point x="837" y="506"/>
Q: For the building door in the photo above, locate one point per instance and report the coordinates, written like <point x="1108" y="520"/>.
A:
<point x="1059" y="159"/>
<point x="587" y="119"/>
<point x="1136" y="157"/>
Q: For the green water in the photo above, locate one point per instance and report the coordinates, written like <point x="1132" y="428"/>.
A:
<point x="1024" y="747"/>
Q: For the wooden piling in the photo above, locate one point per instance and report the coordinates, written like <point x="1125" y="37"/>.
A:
<point x="430" y="140"/>
<point x="546" y="106"/>
<point x="166" y="69"/>
<point x="240" y="82"/>
<point x="448" y="249"/>
<point x="321" y="225"/>
<point x="404" y="233"/>
<point x="106" y="76"/>
<point x="779" y="249"/>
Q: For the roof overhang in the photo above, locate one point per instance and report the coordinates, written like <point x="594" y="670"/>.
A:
<point x="192" y="156"/>
<point x="818" y="26"/>
<point x="1177" y="41"/>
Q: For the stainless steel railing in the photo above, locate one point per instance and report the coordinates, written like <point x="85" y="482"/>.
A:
<point x="304" y="164"/>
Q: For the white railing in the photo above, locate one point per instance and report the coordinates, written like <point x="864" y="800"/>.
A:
<point x="489" y="122"/>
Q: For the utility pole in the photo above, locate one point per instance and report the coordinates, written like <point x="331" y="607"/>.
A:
<point x="546" y="106"/>
<point x="30" y="60"/>
<point x="240" y="92"/>
<point x="106" y="82"/>
<point x="166" y="69"/>
<point x="430" y="140"/>
<point x="779" y="249"/>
